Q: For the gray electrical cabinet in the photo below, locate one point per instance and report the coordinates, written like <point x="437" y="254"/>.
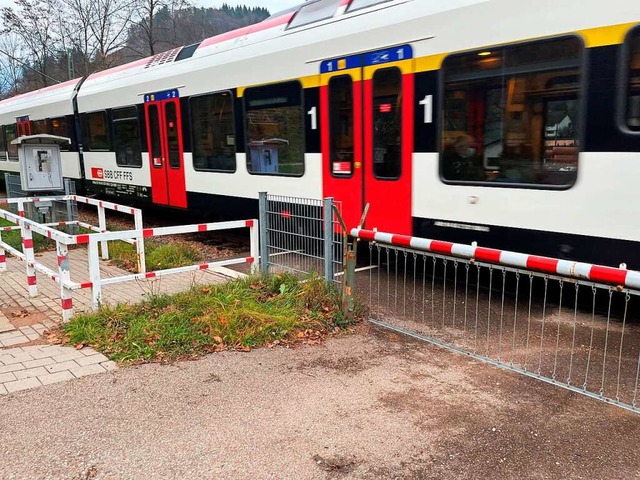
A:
<point x="40" y="162"/>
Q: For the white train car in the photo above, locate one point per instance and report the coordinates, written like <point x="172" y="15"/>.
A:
<point x="510" y="123"/>
<point x="48" y="110"/>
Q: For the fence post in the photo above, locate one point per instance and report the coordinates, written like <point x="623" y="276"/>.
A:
<point x="328" y="238"/>
<point x="255" y="244"/>
<point x="94" y="274"/>
<point x="102" y="224"/>
<point x="139" y="226"/>
<point x="27" y="249"/>
<point x="66" y="294"/>
<point x="264" y="233"/>
<point x="3" y="257"/>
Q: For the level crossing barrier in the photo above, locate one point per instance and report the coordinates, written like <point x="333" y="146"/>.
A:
<point x="571" y="324"/>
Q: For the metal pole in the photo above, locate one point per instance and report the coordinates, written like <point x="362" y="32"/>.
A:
<point x="94" y="274"/>
<point x="102" y="224"/>
<point x="139" y="225"/>
<point x="264" y="232"/>
<point x="255" y="245"/>
<point x="328" y="239"/>
<point x="3" y="257"/>
<point x="66" y="294"/>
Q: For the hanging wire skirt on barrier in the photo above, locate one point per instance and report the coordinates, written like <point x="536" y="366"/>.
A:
<point x="578" y="331"/>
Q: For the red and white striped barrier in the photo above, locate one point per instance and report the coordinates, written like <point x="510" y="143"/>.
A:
<point x="577" y="270"/>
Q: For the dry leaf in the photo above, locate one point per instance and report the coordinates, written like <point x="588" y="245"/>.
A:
<point x="79" y="346"/>
<point x="218" y="340"/>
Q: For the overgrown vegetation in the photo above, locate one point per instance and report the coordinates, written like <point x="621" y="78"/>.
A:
<point x="159" y="256"/>
<point x="241" y="314"/>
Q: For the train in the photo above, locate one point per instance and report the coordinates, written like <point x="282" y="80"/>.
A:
<point x="509" y="123"/>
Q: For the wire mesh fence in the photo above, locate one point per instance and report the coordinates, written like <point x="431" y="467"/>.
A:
<point x="580" y="335"/>
<point x="301" y="235"/>
<point x="43" y="212"/>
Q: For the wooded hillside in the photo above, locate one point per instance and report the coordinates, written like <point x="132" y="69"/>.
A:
<point x="44" y="42"/>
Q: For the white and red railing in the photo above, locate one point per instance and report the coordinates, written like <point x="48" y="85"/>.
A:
<point x="97" y="244"/>
<point x="619" y="277"/>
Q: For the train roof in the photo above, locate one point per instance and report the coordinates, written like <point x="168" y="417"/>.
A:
<point x="262" y="52"/>
<point x="52" y="101"/>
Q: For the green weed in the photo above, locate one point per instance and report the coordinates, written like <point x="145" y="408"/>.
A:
<point x="241" y="314"/>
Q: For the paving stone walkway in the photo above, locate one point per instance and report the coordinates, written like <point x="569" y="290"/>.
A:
<point x="23" y="368"/>
<point x="23" y="320"/>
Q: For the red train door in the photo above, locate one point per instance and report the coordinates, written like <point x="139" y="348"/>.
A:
<point x="24" y="126"/>
<point x="166" y="153"/>
<point x="367" y="136"/>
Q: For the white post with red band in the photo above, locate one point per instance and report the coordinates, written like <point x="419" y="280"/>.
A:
<point x="3" y="256"/>
<point x="66" y="294"/>
<point x="619" y="277"/>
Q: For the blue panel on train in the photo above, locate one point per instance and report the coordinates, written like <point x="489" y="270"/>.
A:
<point x="166" y="95"/>
<point x="344" y="63"/>
<point x="22" y="119"/>
<point x="394" y="54"/>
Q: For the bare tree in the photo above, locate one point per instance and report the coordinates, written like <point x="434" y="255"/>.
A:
<point x="35" y="23"/>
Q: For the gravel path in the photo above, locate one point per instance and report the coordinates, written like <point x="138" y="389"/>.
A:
<point x="367" y="406"/>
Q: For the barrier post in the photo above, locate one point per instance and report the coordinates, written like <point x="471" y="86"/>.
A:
<point x="66" y="294"/>
<point x="139" y="226"/>
<point x="3" y="257"/>
<point x="255" y="244"/>
<point x="29" y="256"/>
<point x="102" y="224"/>
<point x="264" y="233"/>
<point x="94" y="274"/>
<point x="328" y="239"/>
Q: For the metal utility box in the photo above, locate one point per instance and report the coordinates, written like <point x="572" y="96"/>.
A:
<point x="40" y="162"/>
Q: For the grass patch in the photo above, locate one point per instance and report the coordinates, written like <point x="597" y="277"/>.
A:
<point x="243" y="314"/>
<point x="159" y="256"/>
<point x="14" y="239"/>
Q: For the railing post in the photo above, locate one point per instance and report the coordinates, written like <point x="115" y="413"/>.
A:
<point x="3" y="257"/>
<point x="64" y="272"/>
<point x="94" y="274"/>
<point x="102" y="224"/>
<point x="328" y="239"/>
<point x="27" y="249"/>
<point x="264" y="234"/>
<point x="139" y="226"/>
<point x="255" y="244"/>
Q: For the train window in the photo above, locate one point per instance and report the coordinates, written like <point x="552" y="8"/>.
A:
<point x="341" y="125"/>
<point x="315" y="12"/>
<point x="10" y="132"/>
<point x="387" y="123"/>
<point x="187" y="52"/>
<point x="126" y="137"/>
<point x="511" y="114"/>
<point x="58" y="126"/>
<point x="633" y="102"/>
<point x="96" y="131"/>
<point x="154" y="133"/>
<point x="275" y="129"/>
<point x="358" y="4"/>
<point x="39" y="126"/>
<point x="171" y="129"/>
<point x="3" y="146"/>
<point x="213" y="125"/>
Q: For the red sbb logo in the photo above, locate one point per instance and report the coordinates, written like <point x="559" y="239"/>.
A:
<point x="97" y="173"/>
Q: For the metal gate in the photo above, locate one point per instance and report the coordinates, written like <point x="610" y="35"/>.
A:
<point x="301" y="235"/>
<point x="570" y="324"/>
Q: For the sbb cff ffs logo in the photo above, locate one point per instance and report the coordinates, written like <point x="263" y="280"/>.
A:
<point x="97" y="173"/>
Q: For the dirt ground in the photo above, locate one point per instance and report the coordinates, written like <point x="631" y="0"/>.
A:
<point x="364" y="406"/>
